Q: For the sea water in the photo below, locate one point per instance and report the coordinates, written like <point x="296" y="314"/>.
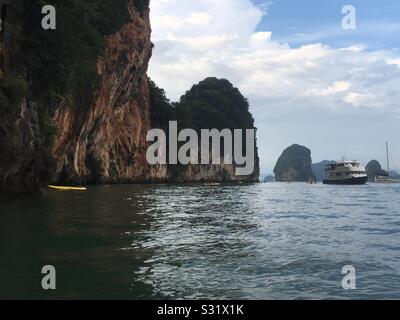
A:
<point x="260" y="241"/>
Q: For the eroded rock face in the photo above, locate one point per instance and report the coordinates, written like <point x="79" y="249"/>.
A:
<point x="210" y="173"/>
<point x="107" y="143"/>
<point x="20" y="161"/>
<point x="21" y="150"/>
<point x="294" y="165"/>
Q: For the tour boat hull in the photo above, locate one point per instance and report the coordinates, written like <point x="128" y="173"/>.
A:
<point x="350" y="181"/>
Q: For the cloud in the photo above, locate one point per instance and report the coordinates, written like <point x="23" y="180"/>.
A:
<point x="361" y="100"/>
<point x="336" y="87"/>
<point x="194" y="40"/>
<point x="197" y="39"/>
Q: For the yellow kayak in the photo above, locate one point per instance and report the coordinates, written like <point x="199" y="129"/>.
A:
<point x="68" y="188"/>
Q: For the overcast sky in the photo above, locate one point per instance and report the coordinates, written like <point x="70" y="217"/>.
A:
<point x="307" y="79"/>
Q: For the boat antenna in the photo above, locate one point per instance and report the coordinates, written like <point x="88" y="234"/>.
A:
<point x="387" y="157"/>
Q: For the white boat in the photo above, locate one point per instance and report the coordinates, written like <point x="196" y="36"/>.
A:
<point x="386" y="179"/>
<point x="346" y="173"/>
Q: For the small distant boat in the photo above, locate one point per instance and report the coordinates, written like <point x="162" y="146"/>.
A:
<point x="61" y="188"/>
<point x="346" y="173"/>
<point x="312" y="181"/>
<point x="386" y="179"/>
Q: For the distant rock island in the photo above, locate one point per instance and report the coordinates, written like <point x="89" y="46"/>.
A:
<point x="374" y="169"/>
<point x="318" y="169"/>
<point x="269" y="179"/>
<point x="294" y="165"/>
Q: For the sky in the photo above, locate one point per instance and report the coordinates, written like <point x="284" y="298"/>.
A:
<point x="308" y="80"/>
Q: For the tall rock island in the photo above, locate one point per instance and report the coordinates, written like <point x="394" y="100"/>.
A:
<point x="374" y="169"/>
<point x="211" y="104"/>
<point x="294" y="165"/>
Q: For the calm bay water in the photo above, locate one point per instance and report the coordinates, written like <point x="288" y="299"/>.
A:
<point x="265" y="241"/>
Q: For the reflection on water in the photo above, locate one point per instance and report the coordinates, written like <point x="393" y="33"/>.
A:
<point x="266" y="241"/>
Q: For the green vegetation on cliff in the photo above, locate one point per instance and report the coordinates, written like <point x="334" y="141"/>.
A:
<point x="161" y="110"/>
<point x="62" y="62"/>
<point x="12" y="91"/>
<point x="211" y="104"/>
<point x="214" y="103"/>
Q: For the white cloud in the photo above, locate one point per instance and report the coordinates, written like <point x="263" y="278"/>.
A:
<point x="197" y="39"/>
<point x="361" y="100"/>
<point x="394" y="62"/>
<point x="198" y="19"/>
<point x="202" y="38"/>
<point x="336" y="87"/>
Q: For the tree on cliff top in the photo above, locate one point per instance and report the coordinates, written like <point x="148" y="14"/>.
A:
<point x="161" y="110"/>
<point x="211" y="104"/>
<point x="214" y="104"/>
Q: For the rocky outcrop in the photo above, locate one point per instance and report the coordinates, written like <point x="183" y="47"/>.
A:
<point x="374" y="169"/>
<point x="211" y="104"/>
<point x="318" y="169"/>
<point x="107" y="144"/>
<point x="269" y="179"/>
<point x="294" y="165"/>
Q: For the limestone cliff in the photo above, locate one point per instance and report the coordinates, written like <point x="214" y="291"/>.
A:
<point x="79" y="111"/>
<point x="107" y="144"/>
<point x="21" y="143"/>
<point x="294" y="165"/>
